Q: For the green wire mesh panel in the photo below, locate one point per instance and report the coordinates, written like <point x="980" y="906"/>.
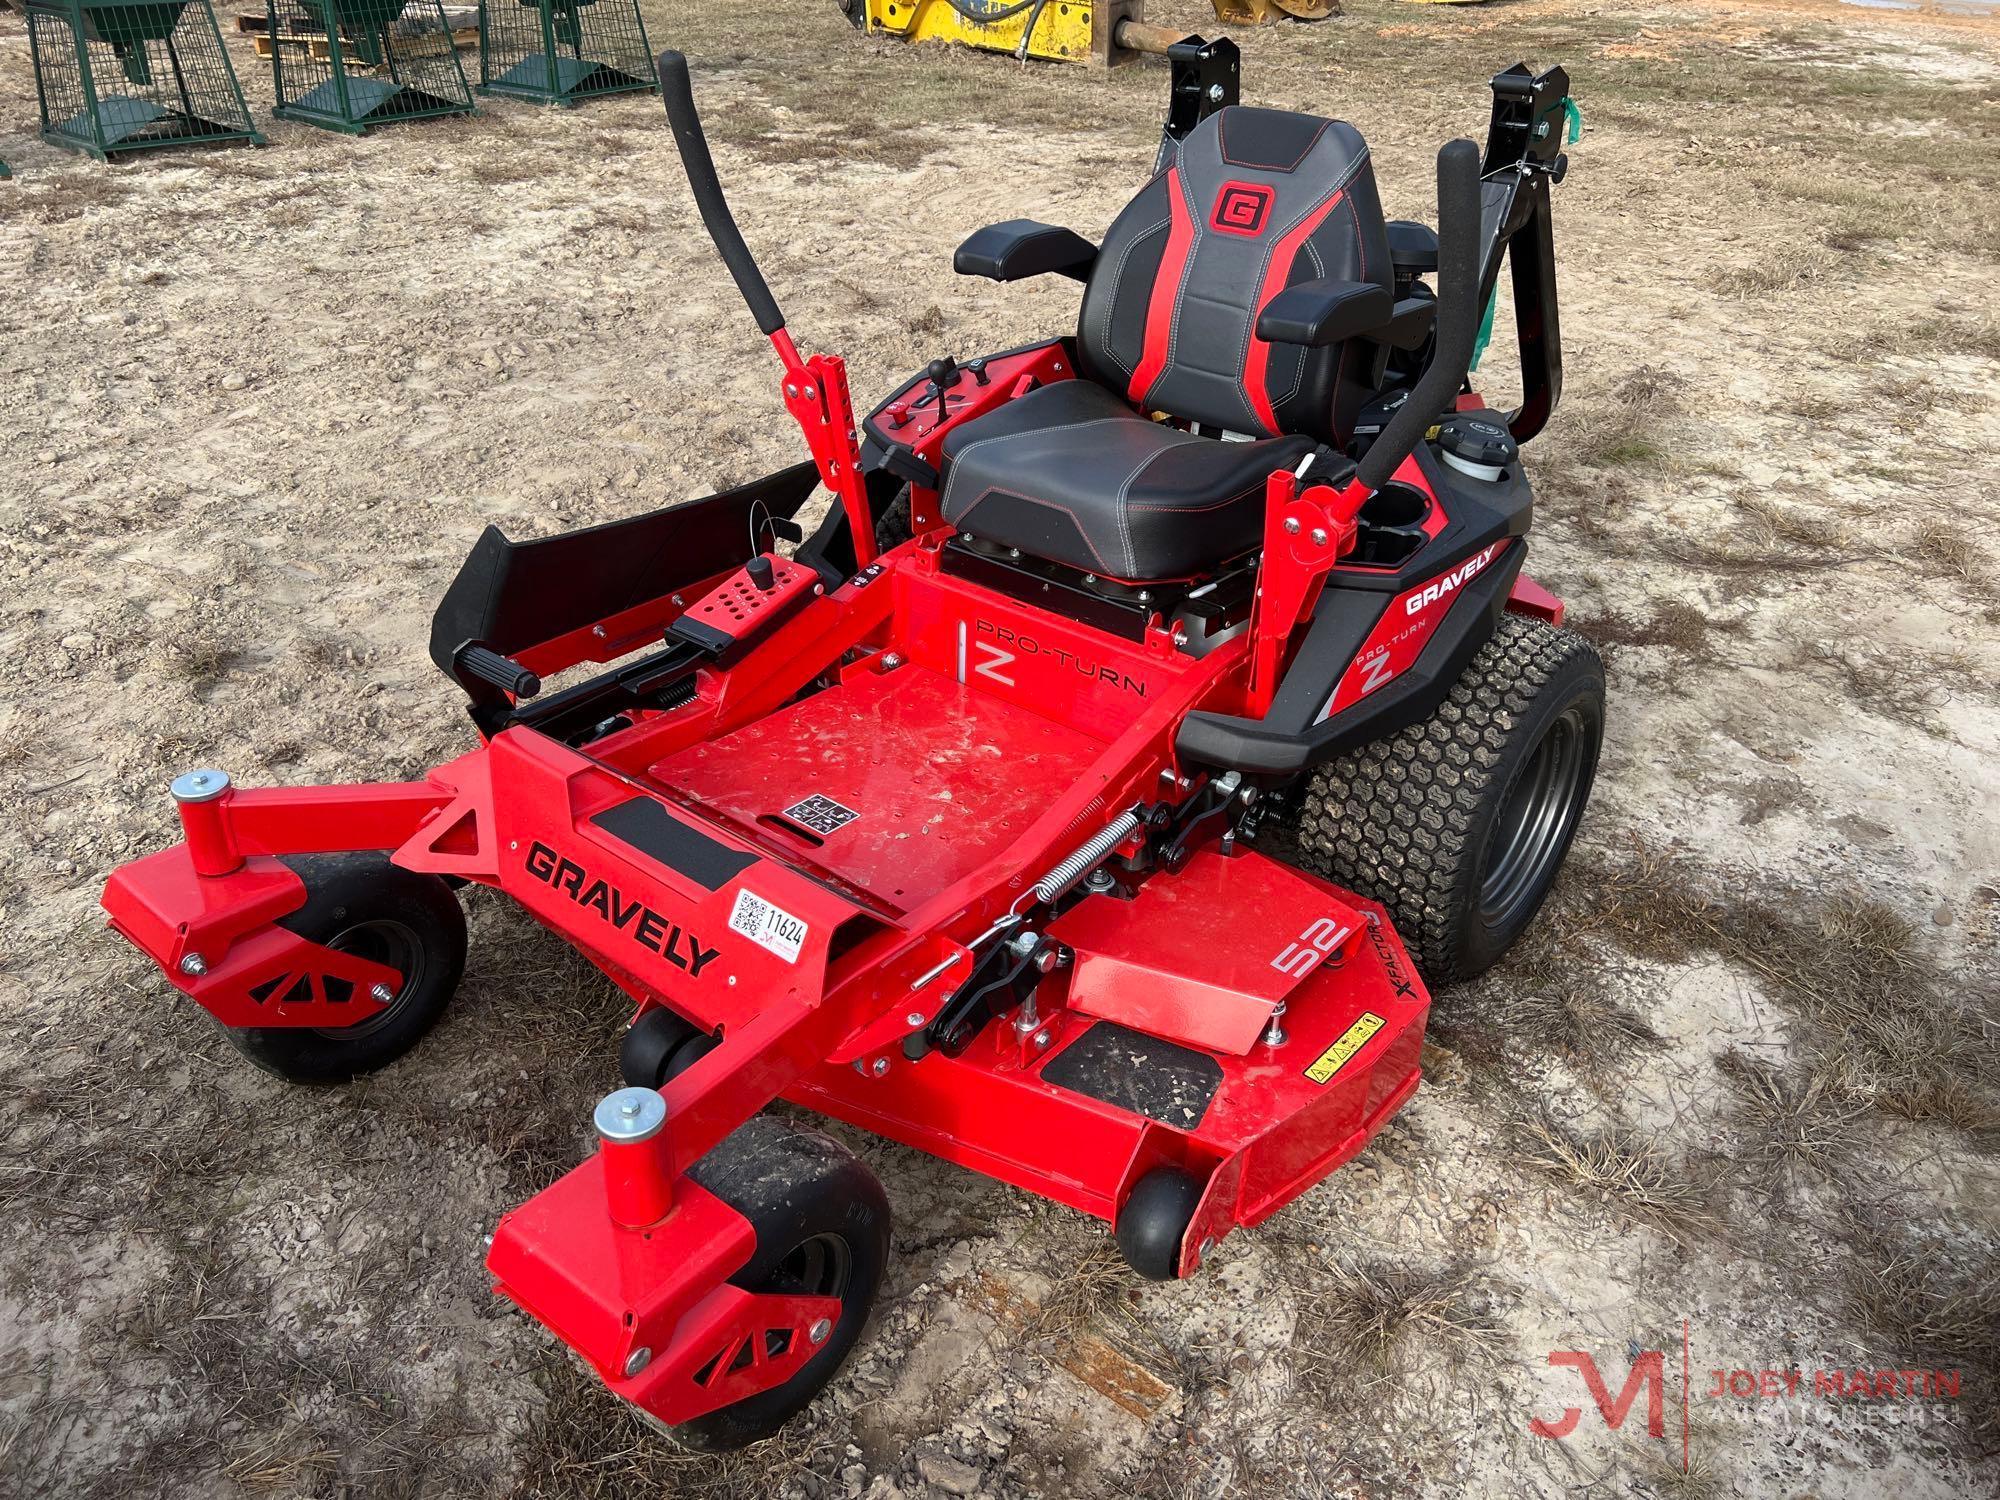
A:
<point x="355" y="64"/>
<point x="140" y="73"/>
<point x="561" y="51"/>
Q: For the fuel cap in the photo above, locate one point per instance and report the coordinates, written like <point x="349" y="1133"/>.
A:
<point x="1477" y="443"/>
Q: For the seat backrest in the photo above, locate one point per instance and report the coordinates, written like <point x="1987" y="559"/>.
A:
<point x="1254" y="201"/>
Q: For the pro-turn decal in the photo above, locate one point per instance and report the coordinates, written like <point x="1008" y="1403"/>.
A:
<point x="822" y="815"/>
<point x="1404" y="631"/>
<point x="1000" y="653"/>
<point x="768" y="926"/>
<point x="1349" y="1042"/>
<point x="634" y="918"/>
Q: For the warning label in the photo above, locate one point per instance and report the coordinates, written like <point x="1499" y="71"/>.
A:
<point x="1342" y="1051"/>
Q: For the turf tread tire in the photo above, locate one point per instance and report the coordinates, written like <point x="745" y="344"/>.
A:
<point x="1404" y="820"/>
<point x="893" y="526"/>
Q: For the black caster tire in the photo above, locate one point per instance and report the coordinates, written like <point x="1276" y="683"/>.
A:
<point x="361" y="903"/>
<point x="661" y="1046"/>
<point x="1155" y="1220"/>
<point x="1459" y="824"/>
<point x="822" y="1223"/>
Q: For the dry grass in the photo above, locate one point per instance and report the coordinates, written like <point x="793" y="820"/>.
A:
<point x="1370" y="1318"/>
<point x="1088" y="1287"/>
<point x="1943" y="546"/>
<point x="586" y="1444"/>
<point x="1936" y="1306"/>
<point x="1640" y="1176"/>
<point x="1625" y="425"/>
<point x="70" y="195"/>
<point x="1852" y="970"/>
<point x="1787" y="267"/>
<point x="1910" y="403"/>
<point x="1680" y="627"/>
<point x="1909" y="687"/>
<point x="1796" y="1123"/>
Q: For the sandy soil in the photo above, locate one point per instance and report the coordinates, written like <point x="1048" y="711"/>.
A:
<point x="1739" y="1086"/>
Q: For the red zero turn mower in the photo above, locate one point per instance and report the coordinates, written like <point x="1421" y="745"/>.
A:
<point x="942" y="825"/>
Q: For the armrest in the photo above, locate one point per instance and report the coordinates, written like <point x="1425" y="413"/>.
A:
<point x="1413" y="248"/>
<point x="1317" y="313"/>
<point x="1021" y="248"/>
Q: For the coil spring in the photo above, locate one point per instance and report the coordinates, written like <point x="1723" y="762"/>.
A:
<point x="1059" y="881"/>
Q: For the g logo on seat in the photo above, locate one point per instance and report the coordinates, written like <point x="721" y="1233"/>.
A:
<point x="1241" y="208"/>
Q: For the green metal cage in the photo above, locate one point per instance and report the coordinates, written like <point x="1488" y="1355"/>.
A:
<point x="563" y="51"/>
<point x="351" y="65"/>
<point x="134" y="74"/>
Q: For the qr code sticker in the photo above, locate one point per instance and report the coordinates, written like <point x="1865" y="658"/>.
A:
<point x="822" y="815"/>
<point x="768" y="926"/>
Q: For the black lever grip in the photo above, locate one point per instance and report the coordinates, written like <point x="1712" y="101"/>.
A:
<point x="678" y="92"/>
<point x="1458" y="315"/>
<point x="503" y="672"/>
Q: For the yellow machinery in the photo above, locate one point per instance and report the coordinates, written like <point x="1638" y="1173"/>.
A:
<point x="1107" y="32"/>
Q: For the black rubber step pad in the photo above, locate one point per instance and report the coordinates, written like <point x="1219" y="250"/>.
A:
<point x="1161" y="1080"/>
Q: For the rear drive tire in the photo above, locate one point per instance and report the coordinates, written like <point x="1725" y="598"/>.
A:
<point x="822" y="1224"/>
<point x="363" y="904"/>
<point x="1459" y="823"/>
<point x="893" y="526"/>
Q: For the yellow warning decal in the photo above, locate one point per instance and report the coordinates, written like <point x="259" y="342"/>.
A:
<point x="1342" y="1051"/>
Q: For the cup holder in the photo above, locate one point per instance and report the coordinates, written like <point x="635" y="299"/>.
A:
<point x="1391" y="526"/>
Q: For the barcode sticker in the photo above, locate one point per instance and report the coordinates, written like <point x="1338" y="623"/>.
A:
<point x="768" y="926"/>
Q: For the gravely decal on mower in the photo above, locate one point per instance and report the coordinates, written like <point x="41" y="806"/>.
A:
<point x="1402" y="633"/>
<point x="1418" y="602"/>
<point x="646" y="927"/>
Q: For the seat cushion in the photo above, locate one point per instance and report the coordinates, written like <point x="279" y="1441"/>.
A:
<point x="1071" y="474"/>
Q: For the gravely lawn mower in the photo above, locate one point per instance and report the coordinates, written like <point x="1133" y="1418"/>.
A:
<point x="942" y="824"/>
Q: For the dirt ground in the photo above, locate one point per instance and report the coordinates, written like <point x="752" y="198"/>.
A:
<point x="1735" y="1099"/>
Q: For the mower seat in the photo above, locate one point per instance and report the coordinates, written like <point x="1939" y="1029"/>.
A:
<point x="1071" y="474"/>
<point x="1254" y="201"/>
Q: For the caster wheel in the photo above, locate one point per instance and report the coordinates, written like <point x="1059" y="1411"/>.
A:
<point x="661" y="1046"/>
<point x="822" y="1226"/>
<point x="363" y="904"/>
<point x="1155" y="1220"/>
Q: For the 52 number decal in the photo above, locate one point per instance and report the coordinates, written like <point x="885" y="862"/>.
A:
<point x="1304" y="954"/>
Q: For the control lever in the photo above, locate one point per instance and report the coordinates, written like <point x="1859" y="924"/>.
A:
<point x="943" y="375"/>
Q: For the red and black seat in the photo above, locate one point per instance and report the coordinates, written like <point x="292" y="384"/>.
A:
<point x="1254" y="202"/>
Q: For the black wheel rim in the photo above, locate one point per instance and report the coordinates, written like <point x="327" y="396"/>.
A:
<point x="391" y="944"/>
<point x="1537" y="819"/>
<point x="818" y="1267"/>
